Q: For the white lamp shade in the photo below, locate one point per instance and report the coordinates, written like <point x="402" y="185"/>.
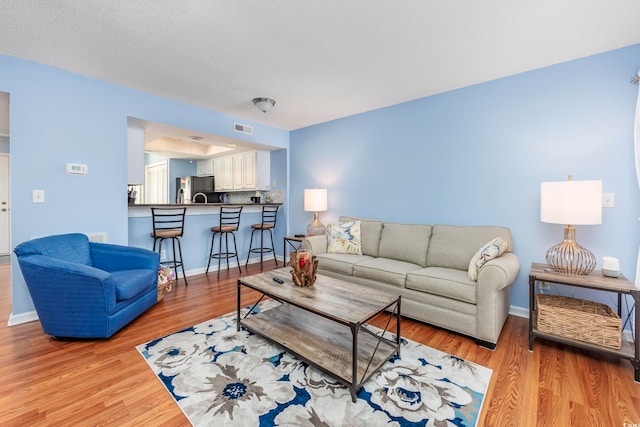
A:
<point x="571" y="202"/>
<point x="315" y="200"/>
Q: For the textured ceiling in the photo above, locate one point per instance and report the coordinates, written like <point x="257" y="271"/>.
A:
<point x="320" y="60"/>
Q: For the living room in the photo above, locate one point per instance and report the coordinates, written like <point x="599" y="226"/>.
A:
<point x="473" y="155"/>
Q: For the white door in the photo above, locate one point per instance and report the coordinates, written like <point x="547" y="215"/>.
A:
<point x="5" y="225"/>
<point x="156" y="183"/>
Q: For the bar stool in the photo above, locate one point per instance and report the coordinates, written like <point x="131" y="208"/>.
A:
<point x="269" y="216"/>
<point x="229" y="223"/>
<point x="168" y="223"/>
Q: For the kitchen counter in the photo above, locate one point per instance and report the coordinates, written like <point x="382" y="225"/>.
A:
<point x="143" y="210"/>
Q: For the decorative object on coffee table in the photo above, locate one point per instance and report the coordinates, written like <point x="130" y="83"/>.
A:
<point x="304" y="268"/>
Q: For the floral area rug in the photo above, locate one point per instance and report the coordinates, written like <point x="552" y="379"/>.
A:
<point x="221" y="377"/>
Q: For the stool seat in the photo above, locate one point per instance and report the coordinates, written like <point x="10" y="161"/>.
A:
<point x="168" y="223"/>
<point x="227" y="225"/>
<point x="262" y="226"/>
<point x="269" y="216"/>
<point x="166" y="234"/>
<point x="224" y="228"/>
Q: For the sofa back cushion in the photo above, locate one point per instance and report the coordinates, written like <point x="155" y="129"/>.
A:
<point x="453" y="246"/>
<point x="72" y="247"/>
<point x="405" y="242"/>
<point x="370" y="231"/>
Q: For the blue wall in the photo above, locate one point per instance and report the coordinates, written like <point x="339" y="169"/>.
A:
<point x="471" y="156"/>
<point x="59" y="117"/>
<point x="477" y="156"/>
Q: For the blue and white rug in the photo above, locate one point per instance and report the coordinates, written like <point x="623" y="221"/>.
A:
<point x="220" y="377"/>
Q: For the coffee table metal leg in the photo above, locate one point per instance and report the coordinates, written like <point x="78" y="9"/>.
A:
<point x="238" y="309"/>
<point x="398" y="318"/>
<point x="354" y="358"/>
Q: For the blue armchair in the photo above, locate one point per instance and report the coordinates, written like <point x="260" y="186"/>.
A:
<point x="82" y="289"/>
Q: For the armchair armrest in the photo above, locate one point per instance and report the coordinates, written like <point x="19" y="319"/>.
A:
<point x="315" y="244"/>
<point x="89" y="289"/>
<point x="117" y="257"/>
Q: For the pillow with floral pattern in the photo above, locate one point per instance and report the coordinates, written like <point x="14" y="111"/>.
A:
<point x="489" y="251"/>
<point x="344" y="238"/>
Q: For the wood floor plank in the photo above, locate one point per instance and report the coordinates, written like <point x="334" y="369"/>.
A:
<point x="106" y="382"/>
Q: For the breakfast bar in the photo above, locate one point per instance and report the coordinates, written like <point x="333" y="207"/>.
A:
<point x="199" y="219"/>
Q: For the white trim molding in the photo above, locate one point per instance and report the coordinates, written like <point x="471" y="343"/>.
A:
<point x="18" y="319"/>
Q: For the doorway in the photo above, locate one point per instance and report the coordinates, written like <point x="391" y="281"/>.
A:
<point x="5" y="200"/>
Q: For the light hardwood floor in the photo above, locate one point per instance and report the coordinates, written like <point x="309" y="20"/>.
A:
<point x="106" y="382"/>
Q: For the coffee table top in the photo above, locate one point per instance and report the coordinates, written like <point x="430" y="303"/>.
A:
<point x="337" y="299"/>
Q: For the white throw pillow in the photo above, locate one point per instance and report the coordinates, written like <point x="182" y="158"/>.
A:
<point x="491" y="250"/>
<point x="344" y="238"/>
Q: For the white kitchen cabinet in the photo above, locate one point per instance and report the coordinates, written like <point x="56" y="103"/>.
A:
<point x="244" y="171"/>
<point x="205" y="167"/>
<point x="223" y="173"/>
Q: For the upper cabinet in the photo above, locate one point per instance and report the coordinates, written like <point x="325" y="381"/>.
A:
<point x="206" y="167"/>
<point x="224" y="173"/>
<point x="250" y="170"/>
<point x="135" y="155"/>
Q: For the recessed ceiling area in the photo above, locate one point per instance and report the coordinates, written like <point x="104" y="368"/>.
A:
<point x="319" y="60"/>
<point x="178" y="143"/>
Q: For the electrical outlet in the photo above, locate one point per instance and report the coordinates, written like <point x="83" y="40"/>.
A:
<point x="163" y="255"/>
<point x="608" y="200"/>
<point x="544" y="286"/>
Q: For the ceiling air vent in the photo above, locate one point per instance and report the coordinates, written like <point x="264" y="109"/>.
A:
<point x="240" y="128"/>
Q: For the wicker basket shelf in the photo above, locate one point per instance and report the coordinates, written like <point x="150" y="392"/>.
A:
<point x="579" y="319"/>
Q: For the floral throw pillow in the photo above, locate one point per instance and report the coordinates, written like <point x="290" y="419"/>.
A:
<point x="491" y="250"/>
<point x="344" y="238"/>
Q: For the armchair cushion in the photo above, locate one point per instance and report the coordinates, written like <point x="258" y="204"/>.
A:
<point x="130" y="283"/>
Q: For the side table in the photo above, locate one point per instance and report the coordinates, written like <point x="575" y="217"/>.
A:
<point x="294" y="242"/>
<point x="595" y="280"/>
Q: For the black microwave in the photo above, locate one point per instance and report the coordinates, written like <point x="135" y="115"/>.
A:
<point x="203" y="184"/>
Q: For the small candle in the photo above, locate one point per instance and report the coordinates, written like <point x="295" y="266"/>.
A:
<point x="303" y="259"/>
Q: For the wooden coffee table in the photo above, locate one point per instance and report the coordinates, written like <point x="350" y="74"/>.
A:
<point x="325" y="324"/>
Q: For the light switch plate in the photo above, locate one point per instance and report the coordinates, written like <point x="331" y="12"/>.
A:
<point x="37" y="196"/>
<point x="608" y="200"/>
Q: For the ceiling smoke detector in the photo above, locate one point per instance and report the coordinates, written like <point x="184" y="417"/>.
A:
<point x="264" y="104"/>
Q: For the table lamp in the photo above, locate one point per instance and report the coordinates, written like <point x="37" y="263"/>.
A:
<point x="315" y="200"/>
<point x="572" y="203"/>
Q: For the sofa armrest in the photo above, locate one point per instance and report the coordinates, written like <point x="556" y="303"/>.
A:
<point x="117" y="257"/>
<point x="315" y="244"/>
<point x="499" y="272"/>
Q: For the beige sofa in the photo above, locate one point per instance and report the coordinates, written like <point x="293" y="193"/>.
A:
<point x="428" y="266"/>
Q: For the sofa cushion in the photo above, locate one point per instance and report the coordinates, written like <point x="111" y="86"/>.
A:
<point x="405" y="242"/>
<point x="344" y="238"/>
<point x="445" y="282"/>
<point x="453" y="246"/>
<point x="370" y="231"/>
<point x="340" y="263"/>
<point x="487" y="252"/>
<point x="385" y="270"/>
<point x="130" y="283"/>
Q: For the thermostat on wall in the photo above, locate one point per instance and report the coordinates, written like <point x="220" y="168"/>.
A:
<point x="76" y="169"/>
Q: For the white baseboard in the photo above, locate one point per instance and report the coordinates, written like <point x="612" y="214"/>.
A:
<point x="519" y="311"/>
<point x="18" y="319"/>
